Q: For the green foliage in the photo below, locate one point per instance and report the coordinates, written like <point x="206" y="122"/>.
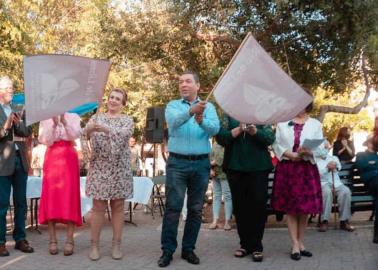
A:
<point x="150" y="42"/>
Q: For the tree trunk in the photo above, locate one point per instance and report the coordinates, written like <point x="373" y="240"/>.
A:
<point x="348" y="110"/>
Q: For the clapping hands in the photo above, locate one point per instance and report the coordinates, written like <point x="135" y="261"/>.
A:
<point x="97" y="128"/>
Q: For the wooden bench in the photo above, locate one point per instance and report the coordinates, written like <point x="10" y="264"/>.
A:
<point x="361" y="198"/>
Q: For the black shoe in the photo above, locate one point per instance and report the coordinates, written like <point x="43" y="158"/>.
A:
<point x="3" y="251"/>
<point x="190" y="256"/>
<point x="295" y="256"/>
<point x="257" y="256"/>
<point x="305" y="253"/>
<point x="165" y="259"/>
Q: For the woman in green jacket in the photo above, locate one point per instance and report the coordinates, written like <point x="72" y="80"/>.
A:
<point x="247" y="163"/>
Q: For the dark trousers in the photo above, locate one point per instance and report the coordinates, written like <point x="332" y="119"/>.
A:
<point x="182" y="175"/>
<point x="249" y="192"/>
<point x="373" y="188"/>
<point x="18" y="182"/>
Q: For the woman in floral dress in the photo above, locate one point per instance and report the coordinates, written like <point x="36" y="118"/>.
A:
<point x="109" y="175"/>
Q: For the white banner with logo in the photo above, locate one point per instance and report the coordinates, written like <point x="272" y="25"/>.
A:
<point x="55" y="84"/>
<point x="254" y="89"/>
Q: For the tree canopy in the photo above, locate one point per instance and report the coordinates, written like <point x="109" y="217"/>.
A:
<point x="319" y="43"/>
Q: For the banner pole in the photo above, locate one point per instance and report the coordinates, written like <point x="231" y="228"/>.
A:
<point x="102" y="94"/>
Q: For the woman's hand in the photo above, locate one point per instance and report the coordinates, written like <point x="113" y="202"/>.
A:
<point x="63" y="120"/>
<point x="97" y="128"/>
<point x="293" y="156"/>
<point x="56" y="121"/>
<point x="236" y="132"/>
<point x="305" y="152"/>
<point x="251" y="129"/>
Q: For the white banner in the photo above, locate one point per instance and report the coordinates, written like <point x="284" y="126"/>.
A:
<point x="55" y="84"/>
<point x="254" y="89"/>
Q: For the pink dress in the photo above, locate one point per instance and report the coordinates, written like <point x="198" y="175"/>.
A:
<point x="60" y="198"/>
<point x="296" y="187"/>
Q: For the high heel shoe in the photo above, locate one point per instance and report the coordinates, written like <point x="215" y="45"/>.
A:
<point x="213" y="226"/>
<point x="53" y="247"/>
<point x="68" y="248"/>
<point x="116" y="250"/>
<point x="94" y="254"/>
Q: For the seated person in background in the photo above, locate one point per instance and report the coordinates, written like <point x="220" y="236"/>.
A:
<point x="343" y="147"/>
<point x="327" y="166"/>
<point x="367" y="165"/>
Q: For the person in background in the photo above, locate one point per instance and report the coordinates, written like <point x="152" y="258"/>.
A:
<point x="329" y="166"/>
<point x="343" y="147"/>
<point x="220" y="187"/>
<point x="14" y="167"/>
<point x="296" y="187"/>
<point x="61" y="178"/>
<point x="367" y="166"/>
<point x="38" y="156"/>
<point x="135" y="156"/>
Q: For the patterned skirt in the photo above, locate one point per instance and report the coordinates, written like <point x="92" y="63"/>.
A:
<point x="296" y="188"/>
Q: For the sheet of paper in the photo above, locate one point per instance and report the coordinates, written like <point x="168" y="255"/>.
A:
<point x="312" y="144"/>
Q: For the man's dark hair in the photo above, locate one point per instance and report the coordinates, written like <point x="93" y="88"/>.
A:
<point x="194" y="74"/>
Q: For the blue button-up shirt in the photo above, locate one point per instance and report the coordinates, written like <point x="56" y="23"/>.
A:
<point x="186" y="136"/>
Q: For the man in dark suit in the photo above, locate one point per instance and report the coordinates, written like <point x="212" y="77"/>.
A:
<point x="14" y="168"/>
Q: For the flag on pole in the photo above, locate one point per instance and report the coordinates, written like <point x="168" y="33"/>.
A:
<point x="254" y="89"/>
<point x="55" y="84"/>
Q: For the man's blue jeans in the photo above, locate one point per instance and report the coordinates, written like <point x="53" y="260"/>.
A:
<point x="18" y="181"/>
<point x="184" y="174"/>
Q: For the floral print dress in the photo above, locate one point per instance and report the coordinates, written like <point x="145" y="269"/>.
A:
<point x="109" y="175"/>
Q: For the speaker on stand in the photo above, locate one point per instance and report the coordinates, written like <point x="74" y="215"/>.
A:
<point x="154" y="131"/>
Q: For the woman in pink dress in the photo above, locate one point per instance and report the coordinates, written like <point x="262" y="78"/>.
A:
<point x="296" y="188"/>
<point x="60" y="198"/>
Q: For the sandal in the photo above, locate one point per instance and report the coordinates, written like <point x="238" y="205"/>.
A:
<point x="68" y="248"/>
<point x="227" y="227"/>
<point x="53" y="247"/>
<point x="213" y="226"/>
<point x="257" y="256"/>
<point x="241" y="252"/>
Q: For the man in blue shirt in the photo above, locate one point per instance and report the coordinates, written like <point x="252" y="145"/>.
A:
<point x="191" y="123"/>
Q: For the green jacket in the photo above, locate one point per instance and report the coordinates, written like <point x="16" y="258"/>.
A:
<point x="245" y="153"/>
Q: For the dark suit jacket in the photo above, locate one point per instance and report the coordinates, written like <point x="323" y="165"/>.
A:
<point x="7" y="146"/>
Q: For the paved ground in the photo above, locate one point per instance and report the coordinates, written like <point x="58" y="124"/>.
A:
<point x="333" y="250"/>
